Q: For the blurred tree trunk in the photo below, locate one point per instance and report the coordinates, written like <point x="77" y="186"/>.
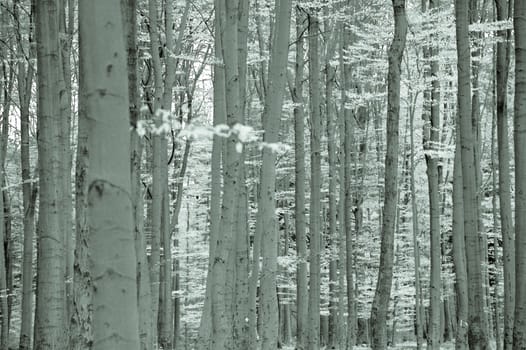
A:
<point x="129" y="10"/>
<point x="66" y="25"/>
<point x="50" y="318"/>
<point x="385" y="275"/>
<point x="519" y="133"/>
<point x="157" y="169"/>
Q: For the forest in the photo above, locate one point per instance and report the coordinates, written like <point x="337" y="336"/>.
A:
<point x="262" y="174"/>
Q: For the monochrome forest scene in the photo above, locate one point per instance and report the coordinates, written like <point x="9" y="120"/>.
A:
<point x="262" y="174"/>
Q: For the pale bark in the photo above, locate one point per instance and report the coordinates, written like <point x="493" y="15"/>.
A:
<point x="205" y="327"/>
<point x="519" y="133"/>
<point x="221" y="298"/>
<point x="111" y="247"/>
<point x="157" y="169"/>
<point x="416" y="249"/>
<point x="299" y="186"/>
<point x="385" y="274"/>
<point x="241" y="300"/>
<point x="66" y="35"/>
<point x="459" y="252"/>
<point x="477" y="318"/>
<point x="266" y="219"/>
<point x="431" y="139"/>
<point x="503" y="59"/>
<point x="129" y="10"/>
<point x="50" y="323"/>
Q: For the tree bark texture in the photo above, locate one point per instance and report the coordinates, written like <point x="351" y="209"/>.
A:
<point x="383" y="287"/>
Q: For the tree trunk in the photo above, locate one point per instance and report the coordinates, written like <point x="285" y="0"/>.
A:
<point x="221" y="297"/>
<point x="477" y="318"/>
<point x="503" y="58"/>
<point x="29" y="194"/>
<point x="299" y="187"/>
<point x="385" y="275"/>
<point x="111" y="247"/>
<point x="315" y="198"/>
<point x="50" y="323"/>
<point x="205" y="327"/>
<point x="416" y="250"/>
<point x="431" y="140"/>
<point x="266" y="218"/>
<point x="459" y="252"/>
<point x="519" y="133"/>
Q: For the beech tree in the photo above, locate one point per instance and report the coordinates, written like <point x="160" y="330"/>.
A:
<point x="385" y="275"/>
<point x="111" y="247"/>
<point x="477" y="336"/>
<point x="50" y="322"/>
<point x="519" y="125"/>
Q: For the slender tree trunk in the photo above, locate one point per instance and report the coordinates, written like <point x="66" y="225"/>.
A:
<point x="50" y="323"/>
<point x="416" y="250"/>
<point x="29" y="194"/>
<point x="299" y="187"/>
<point x="519" y="133"/>
<point x="330" y="78"/>
<point x="459" y="252"/>
<point x="157" y="170"/>
<point x="385" y="274"/>
<point x="66" y="36"/>
<point x="503" y="58"/>
<point x="315" y="198"/>
<point x="347" y="130"/>
<point x="205" y="327"/>
<point x="242" y="243"/>
<point x="431" y="140"/>
<point x="477" y="318"/>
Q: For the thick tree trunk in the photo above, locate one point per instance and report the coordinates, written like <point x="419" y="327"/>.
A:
<point x="222" y="316"/>
<point x="477" y="318"/>
<point x="50" y="323"/>
<point x="266" y="218"/>
<point x="111" y="247"/>
<point x="385" y="275"/>
<point x="519" y="133"/>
